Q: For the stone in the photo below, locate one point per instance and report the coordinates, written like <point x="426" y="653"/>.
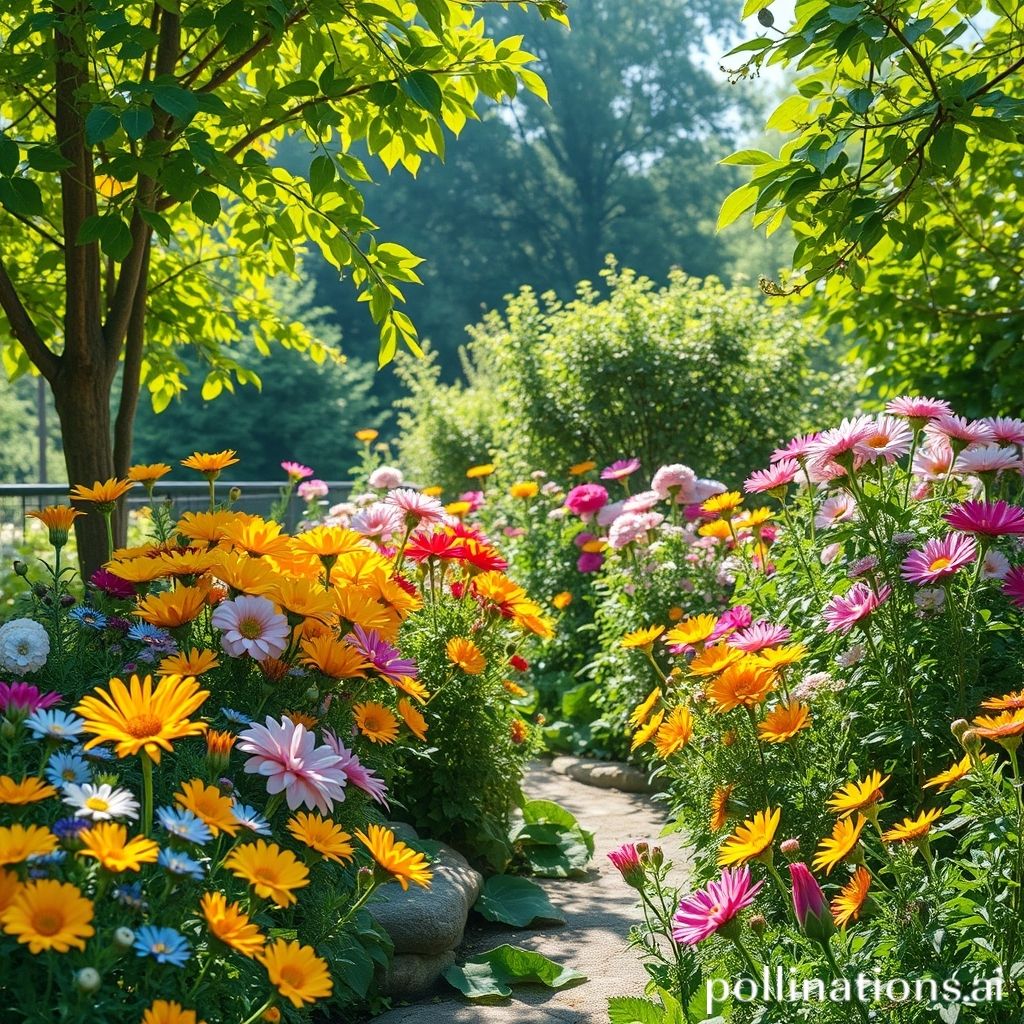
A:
<point x="603" y="774"/>
<point x="430" y="921"/>
<point x="412" y="975"/>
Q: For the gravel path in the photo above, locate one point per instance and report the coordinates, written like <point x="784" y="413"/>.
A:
<point x="599" y="911"/>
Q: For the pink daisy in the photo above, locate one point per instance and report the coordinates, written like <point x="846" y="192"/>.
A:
<point x="889" y="438"/>
<point x="585" y="499"/>
<point x="675" y="478"/>
<point x="296" y="470"/>
<point x="380" y="521"/>
<point x="775" y="477"/>
<point x="253" y="626"/>
<point x="1006" y="429"/>
<point x="844" y="612"/>
<point x="355" y="771"/>
<point x="417" y="508"/>
<point x="626" y="859"/>
<point x="933" y="461"/>
<point x="939" y="558"/>
<point x="991" y="518"/>
<point x="384" y="658"/>
<point x="620" y="469"/>
<point x="1013" y="585"/>
<point x="703" y="913"/>
<point x="21" y="699"/>
<point x="839" y="508"/>
<point x="960" y="431"/>
<point x="841" y="442"/>
<point x="642" y="502"/>
<point x="287" y="755"/>
<point x="918" y="409"/>
<point x="758" y="636"/>
<point x="799" y="448"/>
<point x="989" y="458"/>
<point x="738" y="617"/>
<point x="824" y="472"/>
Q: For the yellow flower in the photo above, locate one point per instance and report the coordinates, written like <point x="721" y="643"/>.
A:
<point x="951" y="775"/>
<point x="47" y="914"/>
<point x="714" y="659"/>
<point x="296" y="972"/>
<point x="375" y="722"/>
<point x="412" y="686"/>
<point x="416" y="723"/>
<point x="273" y="873"/>
<point x="9" y="886"/>
<point x="397" y="859"/>
<point x="19" y="842"/>
<point x="912" y="829"/>
<point x="720" y="806"/>
<point x="103" y="495"/>
<point x="846" y="907"/>
<point x="303" y="597"/>
<point x="359" y="607"/>
<point x="692" y="631"/>
<point x="782" y="657"/>
<point x="784" y="722"/>
<point x="836" y="848"/>
<point x="562" y="600"/>
<point x="187" y="562"/>
<point x="28" y="791"/>
<point x="108" y="842"/>
<point x="513" y="688"/>
<point x="255" y="536"/>
<point x="723" y="504"/>
<point x="1006" y="728"/>
<point x="173" y="608"/>
<point x="207" y="526"/>
<point x="148" y="474"/>
<point x="518" y="731"/>
<point x="230" y="924"/>
<point x="367" y="435"/>
<point x="458" y="508"/>
<point x="745" y="683"/>
<point x="717" y="528"/>
<point x="191" y="663"/>
<point x="328" y="541"/>
<point x="753" y="839"/>
<point x="323" y="835"/>
<point x="477" y="472"/>
<point x="644" y="708"/>
<point x="645" y="733"/>
<point x="210" y="805"/>
<point x="858" y="796"/>
<point x="675" y="732"/>
<point x="163" y="1011"/>
<point x="466" y="655"/>
<point x="524" y="489"/>
<point x="754" y="518"/>
<point x="334" y="658"/>
<point x="582" y="467"/>
<point x="642" y="639"/>
<point x="211" y="464"/>
<point x="433" y="492"/>
<point x="1008" y="702"/>
<point x="58" y="520"/>
<point x="143" y="569"/>
<point x="138" y="718"/>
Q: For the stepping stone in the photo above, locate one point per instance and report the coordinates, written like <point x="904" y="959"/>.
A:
<point x="603" y="774"/>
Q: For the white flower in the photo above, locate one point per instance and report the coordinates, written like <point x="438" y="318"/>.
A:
<point x="995" y="566"/>
<point x="100" y="803"/>
<point x="385" y="478"/>
<point x="930" y="599"/>
<point x="24" y="646"/>
<point x="851" y="657"/>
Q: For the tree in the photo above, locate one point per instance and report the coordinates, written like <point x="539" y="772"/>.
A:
<point x="900" y="175"/>
<point x="134" y="169"/>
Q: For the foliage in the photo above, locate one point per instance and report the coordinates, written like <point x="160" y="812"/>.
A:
<point x="519" y="902"/>
<point x="489" y="976"/>
<point x="899" y="174"/>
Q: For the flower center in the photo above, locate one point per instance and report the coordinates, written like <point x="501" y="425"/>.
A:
<point x="265" y="874"/>
<point x="940" y="563"/>
<point x="250" y="628"/>
<point x="293" y="976"/>
<point x="97" y="803"/>
<point x="160" y="947"/>
<point x="877" y="441"/>
<point x="48" y="922"/>
<point x="141" y="726"/>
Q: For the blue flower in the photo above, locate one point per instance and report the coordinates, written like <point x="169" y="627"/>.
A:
<point x="67" y="767"/>
<point x="47" y="860"/>
<point x="184" y="825"/>
<point x="86" y="616"/>
<point x="180" y="864"/>
<point x="70" y="828"/>
<point x="236" y="717"/>
<point x="100" y="754"/>
<point x="164" y="945"/>
<point x="54" y="725"/>
<point x="250" y="818"/>
<point x="129" y="894"/>
<point x="149" y="635"/>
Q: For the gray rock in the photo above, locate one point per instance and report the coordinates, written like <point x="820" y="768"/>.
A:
<point x="603" y="774"/>
<point x="430" y="921"/>
<point x="412" y="975"/>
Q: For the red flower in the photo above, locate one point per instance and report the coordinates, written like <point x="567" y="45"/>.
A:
<point x="439" y="544"/>
<point x="483" y="557"/>
<point x="519" y="663"/>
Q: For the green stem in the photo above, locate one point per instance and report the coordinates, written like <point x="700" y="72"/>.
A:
<point x="147" y="793"/>
<point x="259" y="1013"/>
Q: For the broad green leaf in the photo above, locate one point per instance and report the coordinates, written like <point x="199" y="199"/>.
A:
<point x="10" y="154"/>
<point x="321" y="173"/>
<point x="206" y="206"/>
<point x="490" y="976"/>
<point x="136" y="121"/>
<point x="21" y="196"/>
<point x="634" y="1010"/>
<point x="423" y="90"/>
<point x="515" y="901"/>
<point x="176" y="101"/>
<point x="736" y="204"/>
<point x="100" y="123"/>
<point x="748" y="158"/>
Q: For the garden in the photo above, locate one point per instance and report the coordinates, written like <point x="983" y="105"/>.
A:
<point x="635" y="636"/>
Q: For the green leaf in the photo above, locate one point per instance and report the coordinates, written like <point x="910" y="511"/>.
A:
<point x="433" y="13"/>
<point x="633" y="1010"/>
<point x="515" y="901"/>
<point x="10" y="154"/>
<point x="100" y="124"/>
<point x="490" y="976"/>
<point x="136" y="121"/>
<point x="845" y="15"/>
<point x="736" y="204"/>
<point x="176" y="101"/>
<point x="948" y="147"/>
<point x="321" y="174"/>
<point x="859" y="100"/>
<point x="22" y="196"/>
<point x="421" y="88"/>
<point x="748" y="158"/>
<point x="206" y="206"/>
<point x="46" y="158"/>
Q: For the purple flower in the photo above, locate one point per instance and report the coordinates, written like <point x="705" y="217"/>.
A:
<point x="620" y="470"/>
<point x="710" y="909"/>
<point x="112" y="585"/>
<point x="386" y="659"/>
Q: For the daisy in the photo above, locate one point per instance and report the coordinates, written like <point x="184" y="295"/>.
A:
<point x="839" y="508"/>
<point x="184" y="825"/>
<point x="642" y="639"/>
<point x="738" y="617"/>
<point x="375" y="722"/>
<point x="720" y="807"/>
<point x="20" y="699"/>
<point x="889" y="438"/>
<point x="841" y="443"/>
<point x="400" y="861"/>
<point x="620" y="470"/>
<point x="950" y="776"/>
<point x="54" y="725"/>
<point x="752" y="840"/>
<point x="745" y="683"/>
<point x="844" y="612"/>
<point x="182" y="864"/>
<point x="253" y="626"/>
<point x="380" y="521"/>
<point x="858" y="796"/>
<point x="757" y="636"/>
<point x="991" y="518"/>
<point x="251" y="819"/>
<point x="296" y="972"/>
<point x="89" y="617"/>
<point x="917" y="409"/>
<point x="959" y="431"/>
<point x="989" y="458"/>
<point x="846" y="907"/>
<point x="360" y="776"/>
<point x="1013" y="585"/>
<point x="417" y="507"/>
<point x="164" y="945"/>
<point x="1006" y="429"/>
<point x="995" y="565"/>
<point x="933" y="461"/>
<point x="296" y="471"/>
<point x="288" y="756"/>
<point x="229" y="924"/>
<point x="775" y="478"/>
<point x="799" y="448"/>
<point x="674" y="733"/>
<point x="49" y="915"/>
<point x="63" y="767"/>
<point x="384" y="658"/>
<point x="322" y="835"/>
<point x="784" y="722"/>
<point x="912" y="829"/>
<point x="110" y="845"/>
<point x="100" y="803"/>
<point x="939" y="558"/>
<point x="273" y="873"/>
<point x="708" y="909"/>
<point x="837" y="847"/>
<point x="236" y="717"/>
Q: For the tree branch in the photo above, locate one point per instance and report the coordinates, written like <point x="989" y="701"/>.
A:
<point x="24" y="329"/>
<point x="131" y="375"/>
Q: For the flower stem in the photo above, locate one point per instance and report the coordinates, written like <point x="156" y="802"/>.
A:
<point x="147" y="793"/>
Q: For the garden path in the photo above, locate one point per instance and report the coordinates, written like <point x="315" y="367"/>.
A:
<point x="599" y="911"/>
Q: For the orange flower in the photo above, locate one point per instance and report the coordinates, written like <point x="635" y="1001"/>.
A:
<point x="366" y="435"/>
<point x="745" y="683"/>
<point x="846" y="907"/>
<point x="714" y="659"/>
<point x="751" y="840"/>
<point x="466" y="655"/>
<point x="858" y="796"/>
<point x="191" y="663"/>
<point x="642" y="711"/>
<point x="912" y="829"/>
<point x="582" y="467"/>
<point x="951" y="775"/>
<point x="692" y="631"/>
<point x="562" y="600"/>
<point x="1008" y="702"/>
<point x="675" y="732"/>
<point x="334" y="658"/>
<point x="478" y="472"/>
<point x="645" y="733"/>
<point x="208" y="804"/>
<point x="173" y="607"/>
<point x="255" y="536"/>
<point x="58" y="520"/>
<point x="211" y="464"/>
<point x="416" y="723"/>
<point x="720" y="806"/>
<point x="29" y="790"/>
<point x="375" y="722"/>
<point x="1006" y="729"/>
<point x="784" y="722"/>
<point x="839" y="846"/>
<point x="524" y="489"/>
<point x="103" y="495"/>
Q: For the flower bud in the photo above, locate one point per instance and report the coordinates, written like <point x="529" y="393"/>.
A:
<point x="629" y="859"/>
<point x="758" y="924"/>
<point x="87" y="979"/>
<point x="20" y="568"/>
<point x="812" y="910"/>
<point x="107" y="778"/>
<point x="124" y="938"/>
<point x="312" y="695"/>
<point x="67" y="600"/>
<point x="790" y="849"/>
<point x="8" y="730"/>
<point x="971" y="742"/>
<point x="271" y="1014"/>
<point x="234" y="494"/>
<point x="959" y="727"/>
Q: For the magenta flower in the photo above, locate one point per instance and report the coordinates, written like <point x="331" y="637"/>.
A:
<point x="296" y="471"/>
<point x="758" y="636"/>
<point x="939" y="558"/>
<point x="991" y="518"/>
<point x="1006" y="429"/>
<point x="381" y="655"/>
<point x="585" y="499"/>
<point x="809" y="902"/>
<point x="848" y="610"/>
<point x="738" y="617"/>
<point x="1013" y="585"/>
<point x="799" y="448"/>
<point x="253" y="626"/>
<point x="416" y="507"/>
<point x="988" y="458"/>
<point x="918" y="409"/>
<point x="112" y="585"/>
<point x="22" y="699"/>
<point x="627" y="861"/>
<point x="777" y="475"/>
<point x="620" y="470"/>
<point x="589" y="561"/>
<point x="708" y="909"/>
<point x="357" y="773"/>
<point x="287" y="755"/>
<point x="960" y="431"/>
<point x="310" y="490"/>
<point x="675" y="479"/>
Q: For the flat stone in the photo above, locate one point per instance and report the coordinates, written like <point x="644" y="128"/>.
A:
<point x="603" y="774"/>
<point x="430" y="921"/>
<point x="412" y="975"/>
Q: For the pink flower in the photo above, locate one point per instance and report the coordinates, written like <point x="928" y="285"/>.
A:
<point x="799" y="448"/>
<point x="933" y="461"/>
<point x="995" y="565"/>
<point x="738" y="617"/>
<point x="837" y="509"/>
<point x="1006" y="429"/>
<point x="583" y="538"/>
<point x="112" y="585"/>
<point x="644" y="501"/>
<point x="385" y="478"/>
<point x="862" y="566"/>
<point x="380" y="520"/>
<point x="677" y="479"/>
<point x="708" y="909"/>
<point x="384" y="658"/>
<point x="585" y="499"/>
<point x="21" y="699"/>
<point x="705" y="489"/>
<point x="253" y="626"/>
<point x="846" y="611"/>
<point x="758" y="636"/>
<point x="918" y="409"/>
<point x="989" y="458"/>
<point x="589" y="561"/>
<point x="939" y="558"/>
<point x="607" y="515"/>
<point x="310" y="490"/>
<point x="620" y="470"/>
<point x="357" y="773"/>
<point x="889" y="438"/>
<point x="841" y="442"/>
<point x="296" y="471"/>
<point x="288" y="757"/>
<point x="626" y="859"/>
<point x="829" y="553"/>
<point x="633" y="526"/>
<point x="991" y="518"/>
<point x="476" y="499"/>
<point x="777" y="475"/>
<point x="960" y="431"/>
<point x="809" y="902"/>
<point x="1013" y="585"/>
<point x="416" y="507"/>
